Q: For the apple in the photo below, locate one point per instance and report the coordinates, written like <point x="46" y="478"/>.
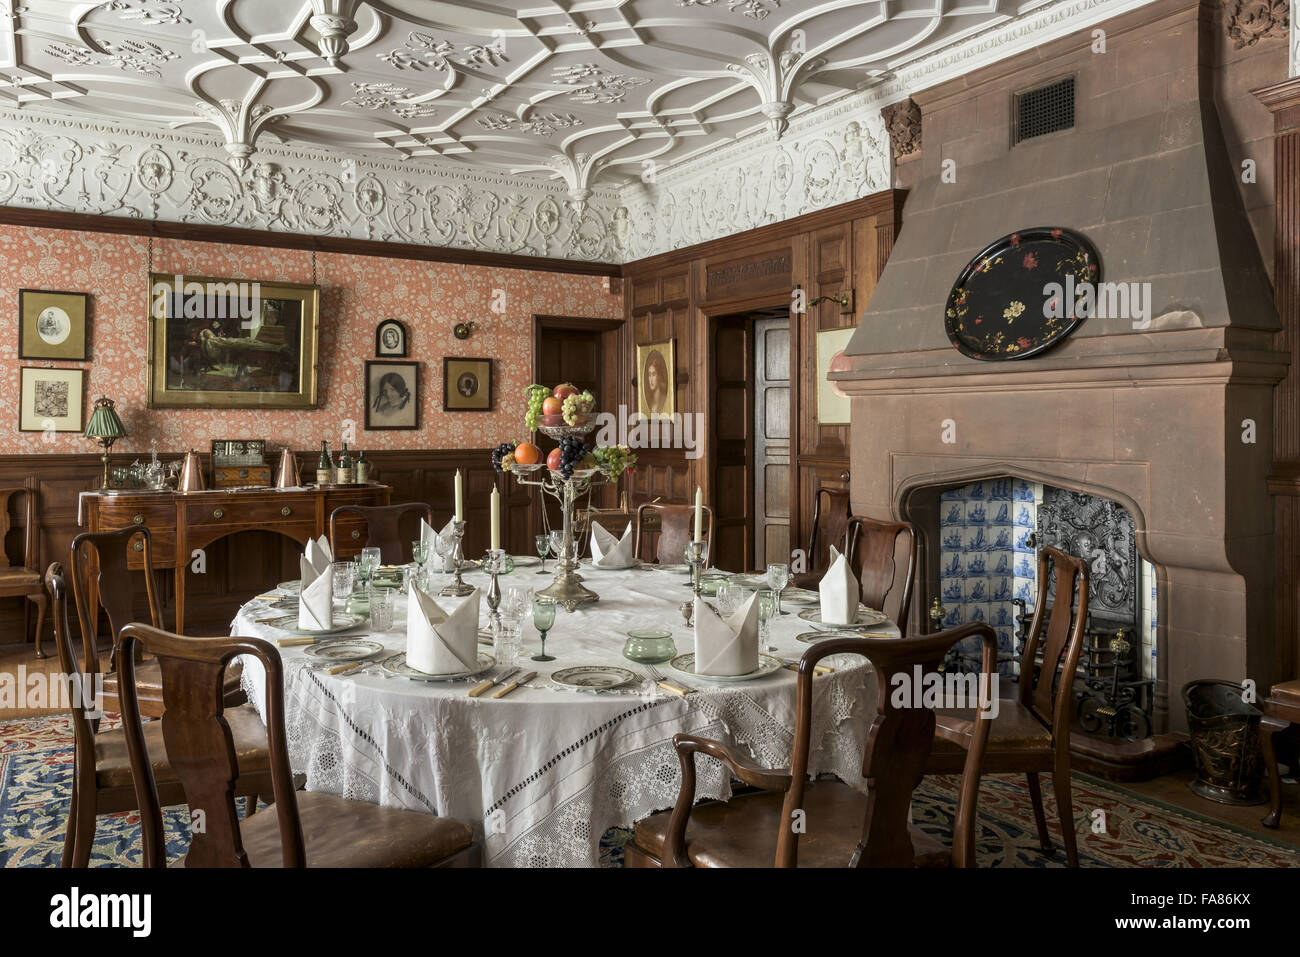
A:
<point x="552" y="406"/>
<point x="553" y="460"/>
<point x="564" y="390"/>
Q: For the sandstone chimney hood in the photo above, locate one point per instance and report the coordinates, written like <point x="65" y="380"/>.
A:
<point x="1173" y="420"/>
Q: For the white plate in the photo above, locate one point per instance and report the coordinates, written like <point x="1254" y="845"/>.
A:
<point x="290" y="588"/>
<point x="866" y="616"/>
<point x="593" y="677"/>
<point x="676" y="569"/>
<point x="685" y="664"/>
<point x="525" y="561"/>
<point x="812" y="637"/>
<point x="396" y="665"/>
<point x="345" y="649"/>
<point x="343" y="621"/>
<point x="800" y="596"/>
<point x="587" y="563"/>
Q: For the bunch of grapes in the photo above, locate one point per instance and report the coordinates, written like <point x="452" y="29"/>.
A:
<point x="576" y="404"/>
<point x="572" y="452"/>
<point x="499" y="454"/>
<point x="536" y="396"/>
<point x="614" y="459"/>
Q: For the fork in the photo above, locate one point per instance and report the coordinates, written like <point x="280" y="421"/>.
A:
<point x="659" y="678"/>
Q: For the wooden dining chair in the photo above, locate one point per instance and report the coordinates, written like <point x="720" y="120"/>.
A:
<point x="830" y="526"/>
<point x="676" y="527"/>
<point x="23" y="580"/>
<point x="101" y="775"/>
<point x="1031" y="733"/>
<point x="308" y="829"/>
<point x="382" y="530"/>
<point x="874" y="554"/>
<point x="842" y="825"/>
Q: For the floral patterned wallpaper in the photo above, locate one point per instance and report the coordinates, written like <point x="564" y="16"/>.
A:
<point x="357" y="293"/>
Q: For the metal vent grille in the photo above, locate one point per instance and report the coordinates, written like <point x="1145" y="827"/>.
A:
<point x="1045" y="110"/>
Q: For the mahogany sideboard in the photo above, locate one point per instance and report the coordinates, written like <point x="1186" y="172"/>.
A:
<point x="181" y="522"/>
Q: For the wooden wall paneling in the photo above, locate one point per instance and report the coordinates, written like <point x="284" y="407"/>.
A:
<point x="731" y="433"/>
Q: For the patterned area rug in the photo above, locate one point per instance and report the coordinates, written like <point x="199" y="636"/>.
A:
<point x="36" y="766"/>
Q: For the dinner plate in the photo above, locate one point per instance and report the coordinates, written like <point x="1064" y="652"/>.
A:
<point x="800" y="596"/>
<point x="587" y="563"/>
<point x="749" y="581"/>
<point x="866" y="616"/>
<point x="686" y="665"/>
<point x="593" y="677"/>
<point x="525" y="561"/>
<point x="290" y="588"/>
<point x="343" y="621"/>
<point x="680" y="569"/>
<point x="345" y="649"/>
<point x="396" y="665"/>
<point x="843" y="631"/>
<point x="285" y="604"/>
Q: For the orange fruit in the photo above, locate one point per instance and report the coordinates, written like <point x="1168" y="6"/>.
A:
<point x="527" y="454"/>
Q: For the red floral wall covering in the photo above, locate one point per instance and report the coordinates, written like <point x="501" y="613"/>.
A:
<point x="357" y="293"/>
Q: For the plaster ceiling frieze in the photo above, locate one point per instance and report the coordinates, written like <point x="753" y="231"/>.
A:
<point x="64" y="164"/>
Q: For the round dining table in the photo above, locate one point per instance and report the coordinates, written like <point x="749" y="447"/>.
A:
<point x="543" y="772"/>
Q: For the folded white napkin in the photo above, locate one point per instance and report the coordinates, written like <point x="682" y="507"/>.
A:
<point x="726" y="647"/>
<point x="839" y="592"/>
<point x="440" y="543"/>
<point x="316" y="599"/>
<point x="608" y="551"/>
<point x="319" y="554"/>
<point x="438" y="643"/>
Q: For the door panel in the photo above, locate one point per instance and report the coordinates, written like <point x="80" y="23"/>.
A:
<point x="772" y="450"/>
<point x="731" y="427"/>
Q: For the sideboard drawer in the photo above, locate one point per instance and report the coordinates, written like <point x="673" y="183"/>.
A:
<point x="159" y="519"/>
<point x="251" y="514"/>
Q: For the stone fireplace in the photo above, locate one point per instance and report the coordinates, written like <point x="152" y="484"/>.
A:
<point x="1171" y="419"/>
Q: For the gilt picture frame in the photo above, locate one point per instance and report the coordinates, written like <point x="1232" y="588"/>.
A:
<point x="53" y="325"/>
<point x="466" y="384"/>
<point x="231" y="343"/>
<point x="656" y="379"/>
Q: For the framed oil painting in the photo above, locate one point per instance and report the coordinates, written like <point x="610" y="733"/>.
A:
<point x="466" y="385"/>
<point x="231" y="343"/>
<point x="832" y="408"/>
<point x="656" y="379"/>
<point x="51" y="399"/>
<point x="390" y="339"/>
<point x="392" y="395"/>
<point x="53" y="325"/>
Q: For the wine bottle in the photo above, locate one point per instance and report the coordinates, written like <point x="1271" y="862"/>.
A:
<point x="363" y="469"/>
<point x="346" y="473"/>
<point x="323" y="466"/>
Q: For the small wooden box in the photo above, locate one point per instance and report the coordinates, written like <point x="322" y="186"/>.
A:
<point x="233" y="476"/>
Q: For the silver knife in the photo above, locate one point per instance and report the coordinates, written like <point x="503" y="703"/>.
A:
<point x="482" y="686"/>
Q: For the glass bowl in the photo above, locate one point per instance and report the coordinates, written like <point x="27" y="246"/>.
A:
<point x="649" y="646"/>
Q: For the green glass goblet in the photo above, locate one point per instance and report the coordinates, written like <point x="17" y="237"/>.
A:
<point x="543" y="621"/>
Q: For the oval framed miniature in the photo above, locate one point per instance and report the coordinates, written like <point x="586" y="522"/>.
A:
<point x="390" y="339"/>
<point x="1023" y="294"/>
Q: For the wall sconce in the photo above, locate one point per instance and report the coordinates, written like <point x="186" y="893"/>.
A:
<point x="463" y="330"/>
<point x="844" y="299"/>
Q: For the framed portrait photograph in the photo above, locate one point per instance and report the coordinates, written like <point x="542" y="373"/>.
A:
<point x="392" y="395"/>
<point x="656" y="379"/>
<point x="466" y="385"/>
<point x="390" y="339"/>
<point x="231" y="343"/>
<point x="832" y="407"/>
<point x="51" y="399"/>
<point x="53" y="325"/>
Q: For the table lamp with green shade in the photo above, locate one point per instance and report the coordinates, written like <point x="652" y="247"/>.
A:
<point x="106" y="427"/>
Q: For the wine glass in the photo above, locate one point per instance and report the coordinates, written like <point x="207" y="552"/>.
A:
<point x="419" y="552"/>
<point x="556" y="542"/>
<point x="730" y="597"/>
<point x="766" y="612"/>
<point x="515" y="602"/>
<point x="367" y="564"/>
<point x="543" y="545"/>
<point x="778" y="576"/>
<point x="543" y="621"/>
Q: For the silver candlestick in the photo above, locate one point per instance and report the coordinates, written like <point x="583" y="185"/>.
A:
<point x="494" y="564"/>
<point x="458" y="588"/>
<point x="697" y="554"/>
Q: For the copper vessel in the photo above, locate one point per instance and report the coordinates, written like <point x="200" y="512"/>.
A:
<point x="191" y="474"/>
<point x="286" y="476"/>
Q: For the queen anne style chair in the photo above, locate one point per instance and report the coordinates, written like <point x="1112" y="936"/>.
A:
<point x="383" y="530"/>
<point x="830" y="526"/>
<point x="1031" y="732"/>
<point x="23" y="581"/>
<point x="101" y="777"/>
<point x="843" y="826"/>
<point x="103" y="556"/>
<point x="1281" y="710"/>
<point x="676" y="530"/>
<point x="873" y="553"/>
<point x="306" y="829"/>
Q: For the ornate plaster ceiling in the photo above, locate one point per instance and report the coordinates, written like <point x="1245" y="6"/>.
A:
<point x="585" y="92"/>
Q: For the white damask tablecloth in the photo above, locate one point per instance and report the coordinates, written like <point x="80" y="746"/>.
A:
<point x="544" y="772"/>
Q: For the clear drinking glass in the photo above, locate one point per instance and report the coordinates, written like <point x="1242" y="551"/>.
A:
<point x="516" y="602"/>
<point x="382" y="601"/>
<point x="345" y="574"/>
<point x="507" y="641"/>
<point x="556" y="542"/>
<point x="730" y="597"/>
<point x="543" y="621"/>
<point x="367" y="564"/>
<point x="543" y="545"/>
<point x="778" y="576"/>
<point x="419" y="552"/>
<point x="766" y="612"/>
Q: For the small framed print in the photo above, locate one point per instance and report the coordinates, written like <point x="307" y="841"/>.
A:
<point x="392" y="395"/>
<point x="390" y="339"/>
<point x="53" y="325"/>
<point x="466" y="385"/>
<point x="52" y="399"/>
<point x="656" y="379"/>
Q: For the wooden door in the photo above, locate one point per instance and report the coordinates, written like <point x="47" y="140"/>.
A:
<point x="730" y="426"/>
<point x="772" y="446"/>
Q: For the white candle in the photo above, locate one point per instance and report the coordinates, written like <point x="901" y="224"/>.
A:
<point x="460" y="509"/>
<point x="496" y="519"/>
<point x="699" y="514"/>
